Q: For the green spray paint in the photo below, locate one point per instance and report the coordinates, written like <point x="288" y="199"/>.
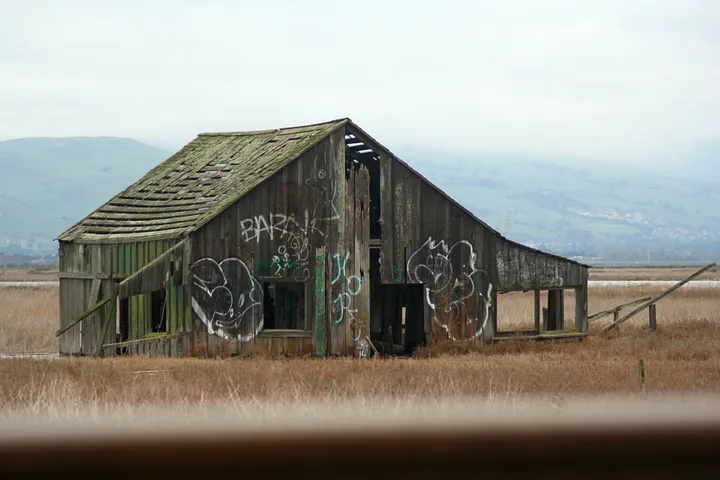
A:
<point x="397" y="273"/>
<point x="320" y="302"/>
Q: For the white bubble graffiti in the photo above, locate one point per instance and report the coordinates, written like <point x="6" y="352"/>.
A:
<point x="225" y="297"/>
<point x="350" y="286"/>
<point x="447" y="291"/>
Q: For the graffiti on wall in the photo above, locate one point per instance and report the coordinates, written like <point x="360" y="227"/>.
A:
<point x="227" y="298"/>
<point x="320" y="301"/>
<point x="349" y="288"/>
<point x="323" y="187"/>
<point x="290" y="232"/>
<point x="397" y="273"/>
<point x="447" y="290"/>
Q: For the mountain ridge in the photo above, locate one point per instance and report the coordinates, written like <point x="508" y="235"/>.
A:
<point x="597" y="211"/>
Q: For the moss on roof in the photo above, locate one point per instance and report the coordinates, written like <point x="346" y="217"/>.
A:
<point x="197" y="183"/>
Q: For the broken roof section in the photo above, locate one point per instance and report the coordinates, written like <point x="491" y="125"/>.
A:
<point x="197" y="183"/>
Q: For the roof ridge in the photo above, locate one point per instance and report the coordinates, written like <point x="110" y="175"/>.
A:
<point x="272" y="130"/>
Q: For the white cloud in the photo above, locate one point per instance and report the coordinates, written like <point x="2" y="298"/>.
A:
<point x="569" y="78"/>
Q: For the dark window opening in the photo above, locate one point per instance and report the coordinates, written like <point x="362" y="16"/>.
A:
<point x="123" y="319"/>
<point x="284" y="306"/>
<point x="122" y="327"/>
<point x="158" y="312"/>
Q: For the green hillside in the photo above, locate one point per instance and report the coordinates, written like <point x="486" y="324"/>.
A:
<point x="50" y="183"/>
<point x="602" y="210"/>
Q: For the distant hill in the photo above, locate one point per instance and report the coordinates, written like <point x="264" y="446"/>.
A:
<point x="697" y="160"/>
<point x="618" y="213"/>
<point x="611" y="211"/>
<point x="49" y="183"/>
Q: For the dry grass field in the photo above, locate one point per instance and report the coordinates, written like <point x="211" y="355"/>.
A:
<point x="651" y="273"/>
<point x="28" y="320"/>
<point x="28" y="275"/>
<point x="682" y="356"/>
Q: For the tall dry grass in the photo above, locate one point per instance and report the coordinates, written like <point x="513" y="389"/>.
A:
<point x="682" y="356"/>
<point x="28" y="320"/>
<point x="28" y="275"/>
<point x="516" y="309"/>
<point x="678" y="358"/>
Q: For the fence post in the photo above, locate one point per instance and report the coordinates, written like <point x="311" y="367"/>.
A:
<point x="653" y="317"/>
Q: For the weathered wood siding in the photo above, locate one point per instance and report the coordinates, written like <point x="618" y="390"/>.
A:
<point x="312" y="223"/>
<point x="283" y="230"/>
<point x="522" y="269"/>
<point x="85" y="267"/>
<point x="428" y="239"/>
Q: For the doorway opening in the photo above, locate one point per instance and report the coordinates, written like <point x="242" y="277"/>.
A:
<point x="398" y="323"/>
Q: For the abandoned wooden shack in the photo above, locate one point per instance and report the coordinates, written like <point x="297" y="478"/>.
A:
<point x="303" y="240"/>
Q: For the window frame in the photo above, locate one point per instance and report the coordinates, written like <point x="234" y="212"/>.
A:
<point x="306" y="320"/>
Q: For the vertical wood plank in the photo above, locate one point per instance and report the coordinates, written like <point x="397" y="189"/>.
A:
<point x="387" y="219"/>
<point x="345" y="270"/>
<point x="581" y="314"/>
<point x="188" y="341"/>
<point x="400" y="221"/>
<point x="652" y="317"/>
<point x="359" y="287"/>
<point x="88" y="329"/>
<point x="320" y="324"/>
<point x="333" y="152"/>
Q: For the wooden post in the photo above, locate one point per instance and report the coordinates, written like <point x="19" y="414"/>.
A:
<point x="641" y="375"/>
<point x="537" y="311"/>
<point x="616" y="314"/>
<point x="653" y="318"/>
<point x="581" y="321"/>
<point x="556" y="309"/>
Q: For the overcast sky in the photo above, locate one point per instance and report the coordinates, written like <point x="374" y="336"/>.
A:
<point x="581" y="79"/>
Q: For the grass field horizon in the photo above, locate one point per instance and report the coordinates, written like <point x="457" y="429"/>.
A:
<point x="682" y="356"/>
<point x="596" y="273"/>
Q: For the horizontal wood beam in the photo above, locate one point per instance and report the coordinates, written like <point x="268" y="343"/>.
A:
<point x="596" y="316"/>
<point x="285" y="333"/>
<point x="84" y="275"/>
<point x="142" y="340"/>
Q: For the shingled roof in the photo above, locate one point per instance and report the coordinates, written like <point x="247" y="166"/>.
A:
<point x="197" y="183"/>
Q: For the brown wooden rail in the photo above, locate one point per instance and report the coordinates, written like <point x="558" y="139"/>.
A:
<point x="615" y="310"/>
<point x="683" y="450"/>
